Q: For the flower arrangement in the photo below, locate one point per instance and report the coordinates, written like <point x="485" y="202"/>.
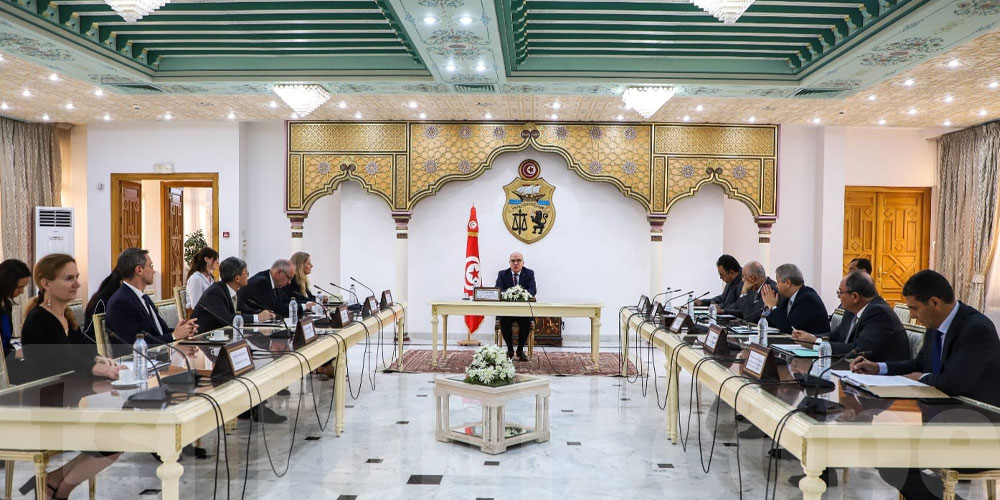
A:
<point x="515" y="294"/>
<point x="490" y="366"/>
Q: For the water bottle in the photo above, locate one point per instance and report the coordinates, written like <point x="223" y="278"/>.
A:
<point x="762" y="331"/>
<point x="713" y="312"/>
<point x="293" y="311"/>
<point x="237" y="326"/>
<point x="139" y="350"/>
<point x="690" y="306"/>
<point x="354" y="295"/>
<point x="825" y="351"/>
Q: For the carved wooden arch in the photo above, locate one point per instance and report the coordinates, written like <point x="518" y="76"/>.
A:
<point x="347" y="174"/>
<point x="712" y="177"/>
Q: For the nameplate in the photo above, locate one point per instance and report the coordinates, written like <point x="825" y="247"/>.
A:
<point x="678" y="323"/>
<point x="371" y="306"/>
<point x="234" y="360"/>
<point x="305" y="333"/>
<point x="643" y="304"/>
<point x="650" y="308"/>
<point x="386" y="301"/>
<point x="340" y="316"/>
<point x="716" y="342"/>
<point x="759" y="364"/>
<point x="488" y="294"/>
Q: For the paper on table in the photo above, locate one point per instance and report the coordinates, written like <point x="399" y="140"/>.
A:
<point x="797" y="350"/>
<point x="882" y="380"/>
<point x="891" y="386"/>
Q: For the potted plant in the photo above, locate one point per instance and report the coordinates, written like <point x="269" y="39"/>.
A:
<point x="490" y="367"/>
<point x="516" y="294"/>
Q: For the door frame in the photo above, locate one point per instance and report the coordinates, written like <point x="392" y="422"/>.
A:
<point x="200" y="178"/>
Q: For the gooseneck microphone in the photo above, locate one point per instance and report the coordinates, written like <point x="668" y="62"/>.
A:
<point x="324" y="291"/>
<point x="353" y="307"/>
<point x="668" y="290"/>
<point x="694" y="299"/>
<point x="159" y="394"/>
<point x="364" y="285"/>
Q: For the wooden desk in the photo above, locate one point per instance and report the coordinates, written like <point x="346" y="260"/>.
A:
<point x="870" y="432"/>
<point x="69" y="412"/>
<point x="445" y="308"/>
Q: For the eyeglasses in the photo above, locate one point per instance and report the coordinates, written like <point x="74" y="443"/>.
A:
<point x="843" y="292"/>
<point x="515" y="260"/>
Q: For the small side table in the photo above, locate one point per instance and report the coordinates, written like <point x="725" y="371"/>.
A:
<point x="492" y="434"/>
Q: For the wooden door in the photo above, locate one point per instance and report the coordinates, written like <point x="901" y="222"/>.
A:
<point x="891" y="227"/>
<point x="173" y="240"/>
<point x="130" y="217"/>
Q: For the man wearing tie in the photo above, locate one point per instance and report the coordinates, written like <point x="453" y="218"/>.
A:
<point x="730" y="273"/>
<point x="217" y="306"/>
<point x="517" y="274"/>
<point x="750" y="304"/>
<point x="798" y="306"/>
<point x="130" y="311"/>
<point x="264" y="290"/>
<point x="960" y="356"/>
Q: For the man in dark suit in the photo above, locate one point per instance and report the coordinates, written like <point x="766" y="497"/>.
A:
<point x="856" y="264"/>
<point x="130" y="311"/>
<point x="750" y="305"/>
<point x="264" y="290"/>
<point x="798" y="305"/>
<point x="960" y="356"/>
<point x="873" y="327"/>
<point x="517" y="274"/>
<point x="217" y="306"/>
<point x="731" y="274"/>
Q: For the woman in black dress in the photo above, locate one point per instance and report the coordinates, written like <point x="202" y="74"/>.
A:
<point x="53" y="344"/>
<point x="14" y="277"/>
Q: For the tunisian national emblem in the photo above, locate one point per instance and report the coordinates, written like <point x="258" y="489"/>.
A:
<point x="529" y="213"/>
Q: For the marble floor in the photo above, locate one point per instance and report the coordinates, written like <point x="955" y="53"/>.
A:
<point x="608" y="441"/>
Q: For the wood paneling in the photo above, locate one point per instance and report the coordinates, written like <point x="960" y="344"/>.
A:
<point x="173" y="238"/>
<point x="129" y="217"/>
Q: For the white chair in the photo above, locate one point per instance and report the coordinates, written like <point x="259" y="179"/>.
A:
<point x="902" y="311"/>
<point x="836" y="318"/>
<point x="915" y="334"/>
<point x="101" y="336"/>
<point x="169" y="312"/>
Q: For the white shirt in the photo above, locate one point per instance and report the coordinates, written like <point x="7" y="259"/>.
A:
<point x="232" y="296"/>
<point x="854" y="322"/>
<point x="142" y="300"/>
<point x="196" y="286"/>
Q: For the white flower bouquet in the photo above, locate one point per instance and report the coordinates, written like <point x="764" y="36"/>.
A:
<point x="515" y="294"/>
<point x="490" y="366"/>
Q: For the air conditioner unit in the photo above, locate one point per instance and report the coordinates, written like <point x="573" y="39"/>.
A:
<point x="53" y="231"/>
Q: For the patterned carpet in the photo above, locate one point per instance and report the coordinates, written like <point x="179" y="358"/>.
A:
<point x="554" y="363"/>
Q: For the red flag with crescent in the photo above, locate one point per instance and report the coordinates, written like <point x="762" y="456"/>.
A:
<point x="472" y="271"/>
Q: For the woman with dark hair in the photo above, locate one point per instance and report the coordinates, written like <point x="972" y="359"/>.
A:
<point x="14" y="277"/>
<point x="53" y="344"/>
<point x="99" y="301"/>
<point x="200" y="276"/>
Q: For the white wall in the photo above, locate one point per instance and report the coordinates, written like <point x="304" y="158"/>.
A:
<point x="74" y="194"/>
<point x="152" y="237"/>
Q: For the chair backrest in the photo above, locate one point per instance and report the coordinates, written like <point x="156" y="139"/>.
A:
<point x="915" y="335"/>
<point x="836" y="318"/>
<point x="101" y="336"/>
<point x="902" y="311"/>
<point x="181" y="296"/>
<point x="168" y="311"/>
<point x="76" y="307"/>
<point x="4" y="376"/>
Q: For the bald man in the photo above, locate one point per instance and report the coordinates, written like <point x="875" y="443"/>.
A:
<point x="516" y="274"/>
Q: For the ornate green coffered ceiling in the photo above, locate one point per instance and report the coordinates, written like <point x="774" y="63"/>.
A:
<point x="778" y="49"/>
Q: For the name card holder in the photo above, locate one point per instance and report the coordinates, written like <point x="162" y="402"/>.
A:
<point x="340" y="316"/>
<point x="234" y="360"/>
<point x="370" y="307"/>
<point x="651" y="308"/>
<point x="386" y="301"/>
<point x="486" y="294"/>
<point x="643" y="305"/>
<point x="760" y="364"/>
<point x="305" y="333"/>
<point x="681" y="321"/>
<point x="716" y="342"/>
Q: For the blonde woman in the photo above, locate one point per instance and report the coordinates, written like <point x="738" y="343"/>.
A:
<point x="298" y="288"/>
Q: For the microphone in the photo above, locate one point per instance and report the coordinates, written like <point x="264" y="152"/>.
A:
<point x="694" y="299"/>
<point x="668" y="290"/>
<point x="816" y="404"/>
<point x="324" y="291"/>
<point x="287" y="334"/>
<point x="353" y="307"/>
<point x="364" y="285"/>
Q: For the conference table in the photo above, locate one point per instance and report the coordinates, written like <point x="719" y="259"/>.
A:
<point x="70" y="412"/>
<point x="445" y="308"/>
<point x="868" y="432"/>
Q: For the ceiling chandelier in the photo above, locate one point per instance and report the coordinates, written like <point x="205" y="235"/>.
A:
<point x="647" y="100"/>
<point x="302" y="98"/>
<point x="727" y="11"/>
<point x="133" y="10"/>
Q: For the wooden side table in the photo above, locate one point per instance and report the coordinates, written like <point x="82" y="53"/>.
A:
<point x="493" y="434"/>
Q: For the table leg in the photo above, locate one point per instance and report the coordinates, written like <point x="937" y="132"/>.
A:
<point x="446" y="416"/>
<point x="624" y="343"/>
<point x="812" y="486"/>
<point x="400" y="323"/>
<point x="169" y="473"/>
<point x="444" y="337"/>
<point x="595" y="338"/>
<point x="434" y="338"/>
<point x="672" y="398"/>
<point x="338" y="389"/>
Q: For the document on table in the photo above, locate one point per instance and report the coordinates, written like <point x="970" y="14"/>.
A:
<point x="890" y="386"/>
<point x="797" y="350"/>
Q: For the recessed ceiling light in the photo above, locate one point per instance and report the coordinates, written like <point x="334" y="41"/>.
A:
<point x="948" y="98"/>
<point x="4" y="106"/>
<point x="982" y="112"/>
<point x="872" y="97"/>
<point x="46" y="117"/>
<point x="881" y="121"/>
<point x="295" y="116"/>
<point x="752" y="119"/>
<point x="556" y="105"/>
<point x="686" y="118"/>
<point x="480" y="67"/>
<point x="357" y="115"/>
<point x="168" y="116"/>
<point x="699" y="108"/>
<point x="554" y="116"/>
<point x="429" y="20"/>
<point x="53" y="77"/>
<point x="26" y="93"/>
<point x="909" y="82"/>
<point x="107" y="117"/>
<point x="412" y="104"/>
<point x="912" y="111"/>
<point x="422" y="115"/>
<point x="99" y="92"/>
<point x="816" y="121"/>
<point x="620" y="117"/>
<point x="342" y="104"/>
<point x="994" y="85"/>
<point x="1" y="58"/>
<point x="272" y="104"/>
<point x="231" y="115"/>
<point x="465" y="20"/>
<point x="947" y="123"/>
<point x="69" y="106"/>
<point x="953" y="63"/>
<point x="489" y="116"/>
<point x="450" y="67"/>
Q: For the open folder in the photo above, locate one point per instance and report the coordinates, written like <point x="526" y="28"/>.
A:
<point x="890" y="386"/>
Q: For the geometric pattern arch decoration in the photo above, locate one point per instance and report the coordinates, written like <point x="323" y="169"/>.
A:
<point x="653" y="164"/>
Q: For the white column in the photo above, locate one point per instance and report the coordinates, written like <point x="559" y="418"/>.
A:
<point x="764" y="241"/>
<point x="655" y="253"/>
<point x="402" y="254"/>
<point x="297" y="221"/>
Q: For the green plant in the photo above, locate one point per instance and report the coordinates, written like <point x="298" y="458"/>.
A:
<point x="192" y="243"/>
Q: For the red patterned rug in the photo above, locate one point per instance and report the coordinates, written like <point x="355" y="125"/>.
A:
<point x="549" y="363"/>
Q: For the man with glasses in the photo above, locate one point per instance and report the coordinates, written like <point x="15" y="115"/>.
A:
<point x="263" y="290"/>
<point x="873" y="328"/>
<point x="517" y="274"/>
<point x="731" y="273"/>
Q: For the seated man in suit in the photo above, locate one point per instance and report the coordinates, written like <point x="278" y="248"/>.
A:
<point x="217" y="306"/>
<point x="130" y="311"/>
<point x="750" y="305"/>
<point x="860" y="264"/>
<point x="798" y="305"/>
<point x="263" y="291"/>
<point x="960" y="356"/>
<point x="873" y="328"/>
<point x="730" y="273"/>
<point x="517" y="274"/>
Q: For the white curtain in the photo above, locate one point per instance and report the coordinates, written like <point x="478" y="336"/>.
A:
<point x="30" y="172"/>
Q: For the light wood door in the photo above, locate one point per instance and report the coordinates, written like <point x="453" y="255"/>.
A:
<point x="173" y="240"/>
<point x="130" y="216"/>
<point x="889" y="226"/>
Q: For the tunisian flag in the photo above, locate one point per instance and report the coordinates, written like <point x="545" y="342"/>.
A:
<point x="472" y="277"/>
